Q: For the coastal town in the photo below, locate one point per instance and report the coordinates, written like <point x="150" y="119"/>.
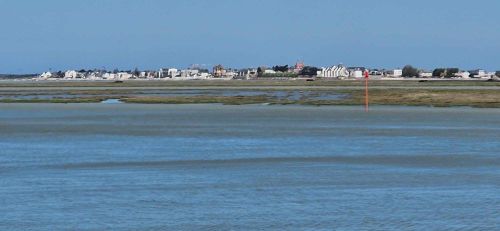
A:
<point x="284" y="72"/>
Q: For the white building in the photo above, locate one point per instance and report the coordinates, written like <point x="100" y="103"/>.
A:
<point x="168" y="73"/>
<point x="173" y="72"/>
<point x="204" y="75"/>
<point x="395" y="73"/>
<point x="463" y="74"/>
<point x="356" y="74"/>
<point x="145" y="75"/>
<point x="46" y="75"/>
<point x="110" y="76"/>
<point x="163" y="73"/>
<point x="124" y="75"/>
<point x="479" y="74"/>
<point x="96" y="75"/>
<point x="189" y="73"/>
<point x="231" y="74"/>
<point x="71" y="74"/>
<point x="334" y="72"/>
<point x="424" y="74"/>
<point x="376" y="73"/>
<point x="248" y="73"/>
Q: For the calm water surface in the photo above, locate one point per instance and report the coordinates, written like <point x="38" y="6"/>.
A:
<point x="214" y="167"/>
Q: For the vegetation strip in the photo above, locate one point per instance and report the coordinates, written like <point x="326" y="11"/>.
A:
<point x="409" y="97"/>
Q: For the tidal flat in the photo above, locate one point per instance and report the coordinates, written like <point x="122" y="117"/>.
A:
<point x="410" y="93"/>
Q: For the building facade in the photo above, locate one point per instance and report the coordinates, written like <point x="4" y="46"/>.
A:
<point x="219" y="71"/>
<point x="339" y="71"/>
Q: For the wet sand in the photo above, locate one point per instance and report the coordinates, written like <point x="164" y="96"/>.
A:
<point x="435" y="93"/>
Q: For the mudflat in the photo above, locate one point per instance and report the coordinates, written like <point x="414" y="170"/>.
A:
<point x="439" y="93"/>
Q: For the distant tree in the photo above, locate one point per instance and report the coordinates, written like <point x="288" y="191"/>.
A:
<point x="136" y="72"/>
<point x="497" y="73"/>
<point x="115" y="71"/>
<point x="82" y="71"/>
<point x="445" y="72"/>
<point x="309" y="71"/>
<point x="451" y="72"/>
<point x="281" y="68"/>
<point x="438" y="72"/>
<point x="260" y="71"/>
<point x="410" y="71"/>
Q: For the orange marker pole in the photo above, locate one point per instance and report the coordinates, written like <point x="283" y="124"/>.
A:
<point x="367" y="76"/>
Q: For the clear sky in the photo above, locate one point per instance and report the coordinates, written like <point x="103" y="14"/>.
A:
<point x="37" y="35"/>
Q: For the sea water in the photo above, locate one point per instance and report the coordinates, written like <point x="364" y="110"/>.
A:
<point x="215" y="167"/>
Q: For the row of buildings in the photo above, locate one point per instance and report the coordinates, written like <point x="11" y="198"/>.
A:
<point x="220" y="73"/>
<point x="342" y="72"/>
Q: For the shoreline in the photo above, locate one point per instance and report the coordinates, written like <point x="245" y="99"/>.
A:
<point x="247" y="83"/>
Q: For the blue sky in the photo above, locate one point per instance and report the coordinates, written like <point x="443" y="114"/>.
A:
<point x="149" y="34"/>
